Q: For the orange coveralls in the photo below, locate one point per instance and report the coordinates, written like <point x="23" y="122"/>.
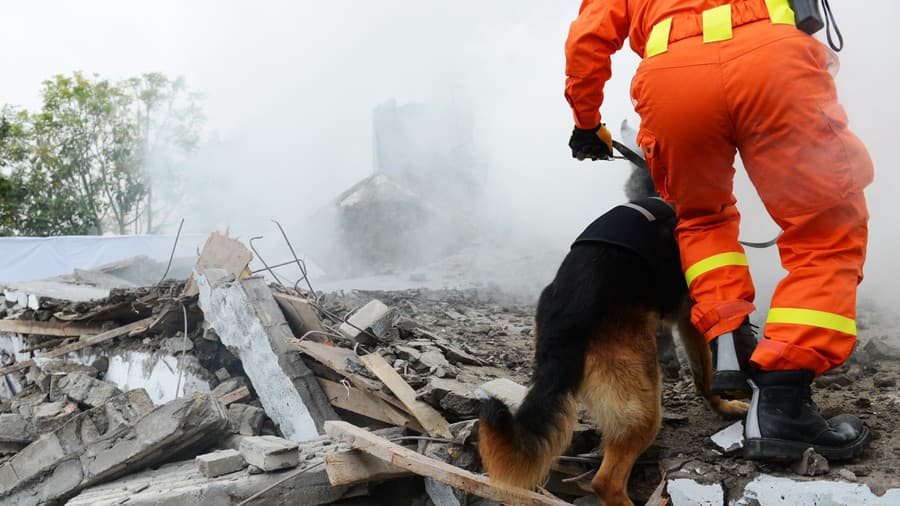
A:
<point x="717" y="78"/>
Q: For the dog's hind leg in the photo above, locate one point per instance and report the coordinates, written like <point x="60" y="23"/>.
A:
<point x="621" y="391"/>
<point x="700" y="359"/>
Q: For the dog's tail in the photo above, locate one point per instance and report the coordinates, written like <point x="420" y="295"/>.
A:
<point x="519" y="449"/>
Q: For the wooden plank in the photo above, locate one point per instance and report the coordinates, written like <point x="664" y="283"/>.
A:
<point x="301" y="317"/>
<point x="235" y="395"/>
<point x="360" y="402"/>
<point x="354" y="466"/>
<point x="336" y="360"/>
<point x="221" y="252"/>
<point x="431" y="420"/>
<point x="421" y="465"/>
<point x="84" y="343"/>
<point x="55" y="329"/>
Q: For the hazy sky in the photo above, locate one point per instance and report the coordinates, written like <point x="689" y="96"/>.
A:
<point x="291" y="86"/>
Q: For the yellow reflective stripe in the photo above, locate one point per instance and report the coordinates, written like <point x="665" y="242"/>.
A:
<point x="717" y="24"/>
<point x="658" y="42"/>
<point x="714" y="262"/>
<point x="812" y="318"/>
<point x="780" y="12"/>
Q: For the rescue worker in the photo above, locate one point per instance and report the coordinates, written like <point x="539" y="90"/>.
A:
<point x="719" y="78"/>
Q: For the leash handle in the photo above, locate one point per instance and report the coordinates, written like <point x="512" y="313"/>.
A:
<point x="829" y="24"/>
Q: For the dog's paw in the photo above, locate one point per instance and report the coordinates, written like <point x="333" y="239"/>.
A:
<point x="729" y="409"/>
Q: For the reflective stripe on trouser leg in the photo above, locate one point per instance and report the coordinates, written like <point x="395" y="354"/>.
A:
<point x="714" y="262"/>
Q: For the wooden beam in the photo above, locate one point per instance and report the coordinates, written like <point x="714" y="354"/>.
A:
<point x="87" y="342"/>
<point x="235" y="395"/>
<point x="357" y="401"/>
<point x="421" y="465"/>
<point x="431" y="420"/>
<point x="301" y="317"/>
<point x="354" y="466"/>
<point x="55" y="329"/>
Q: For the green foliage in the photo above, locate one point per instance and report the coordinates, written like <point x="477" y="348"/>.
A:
<point x="85" y="162"/>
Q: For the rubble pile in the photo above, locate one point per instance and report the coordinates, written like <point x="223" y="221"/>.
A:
<point x="224" y="389"/>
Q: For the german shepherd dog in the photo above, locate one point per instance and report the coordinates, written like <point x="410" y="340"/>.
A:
<point x="595" y="342"/>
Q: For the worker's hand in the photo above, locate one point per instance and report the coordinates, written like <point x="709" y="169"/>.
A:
<point x="593" y="143"/>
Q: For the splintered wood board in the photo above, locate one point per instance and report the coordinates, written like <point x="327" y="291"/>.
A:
<point x="355" y="466"/>
<point x="431" y="420"/>
<point x="221" y="252"/>
<point x="443" y="472"/>
<point x="130" y="329"/>
<point x="357" y="401"/>
<point x="54" y="329"/>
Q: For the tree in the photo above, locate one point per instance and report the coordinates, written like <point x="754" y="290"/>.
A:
<point x="87" y="161"/>
<point x="169" y="119"/>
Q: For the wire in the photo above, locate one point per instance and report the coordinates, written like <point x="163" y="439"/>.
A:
<point x="246" y="501"/>
<point x="172" y="255"/>
<point x="829" y="23"/>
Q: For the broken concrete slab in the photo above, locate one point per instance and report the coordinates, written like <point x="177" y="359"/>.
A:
<point x="249" y="322"/>
<point x="48" y="416"/>
<point x="107" y="442"/>
<point x="730" y="438"/>
<point x="14" y="428"/>
<point x="374" y="319"/>
<point x="508" y="391"/>
<point x="454" y="397"/>
<point x="219" y="463"/>
<point x="767" y="489"/>
<point x="84" y="389"/>
<point x="687" y="492"/>
<point x="269" y="453"/>
<point x="182" y="484"/>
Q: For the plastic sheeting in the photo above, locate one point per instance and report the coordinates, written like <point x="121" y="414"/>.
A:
<point x="31" y="258"/>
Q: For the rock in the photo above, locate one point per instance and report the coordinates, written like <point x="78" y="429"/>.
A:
<point x="229" y="385"/>
<point x="245" y="419"/>
<point x="254" y="470"/>
<point x="175" y="345"/>
<point x="269" y="453"/>
<point x="219" y="463"/>
<point x="810" y="464"/>
<point x="374" y="318"/>
<point x="222" y="374"/>
<point x="880" y="348"/>
<point x="846" y="474"/>
<point x="433" y="359"/>
<point x="454" y="397"/>
<point x="885" y="382"/>
<point x="48" y="416"/>
<point x="87" y="390"/>
<point x="14" y="428"/>
<point x="730" y="438"/>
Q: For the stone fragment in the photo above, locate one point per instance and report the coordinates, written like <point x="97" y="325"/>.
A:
<point x="127" y="438"/>
<point x="270" y="453"/>
<point x="453" y="397"/>
<point x="245" y="419"/>
<point x="175" y="345"/>
<point x="374" y="318"/>
<point x="84" y="389"/>
<point x="219" y="463"/>
<point x="222" y="374"/>
<point x="48" y="416"/>
<point x="14" y="428"/>
<point x="229" y="385"/>
<point x="730" y="438"/>
<point x="810" y="464"/>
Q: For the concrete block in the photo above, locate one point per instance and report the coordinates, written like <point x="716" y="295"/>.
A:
<point x="84" y="389"/>
<point x="124" y="437"/>
<point x="270" y="453"/>
<point x="246" y="420"/>
<point x="766" y="489"/>
<point x="14" y="428"/>
<point x="219" y="463"/>
<point x="48" y="416"/>
<point x="250" y="323"/>
<point x="374" y="317"/>
<point x="687" y="492"/>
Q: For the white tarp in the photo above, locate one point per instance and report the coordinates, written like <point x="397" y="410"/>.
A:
<point x="30" y="258"/>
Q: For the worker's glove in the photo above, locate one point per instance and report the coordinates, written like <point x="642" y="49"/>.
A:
<point x="593" y="143"/>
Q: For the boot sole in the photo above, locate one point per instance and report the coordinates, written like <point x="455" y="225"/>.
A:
<point x="782" y="450"/>
<point x="730" y="385"/>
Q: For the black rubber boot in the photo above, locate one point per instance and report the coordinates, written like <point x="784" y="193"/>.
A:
<point x="783" y="421"/>
<point x="731" y="362"/>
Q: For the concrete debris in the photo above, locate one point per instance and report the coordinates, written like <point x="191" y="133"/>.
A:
<point x="810" y="464"/>
<point x="250" y="323"/>
<point x="163" y="395"/>
<point x="370" y="324"/>
<point x="270" y="453"/>
<point x="730" y="438"/>
<point x="219" y="463"/>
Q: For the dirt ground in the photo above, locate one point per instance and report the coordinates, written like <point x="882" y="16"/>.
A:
<point x="496" y="327"/>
